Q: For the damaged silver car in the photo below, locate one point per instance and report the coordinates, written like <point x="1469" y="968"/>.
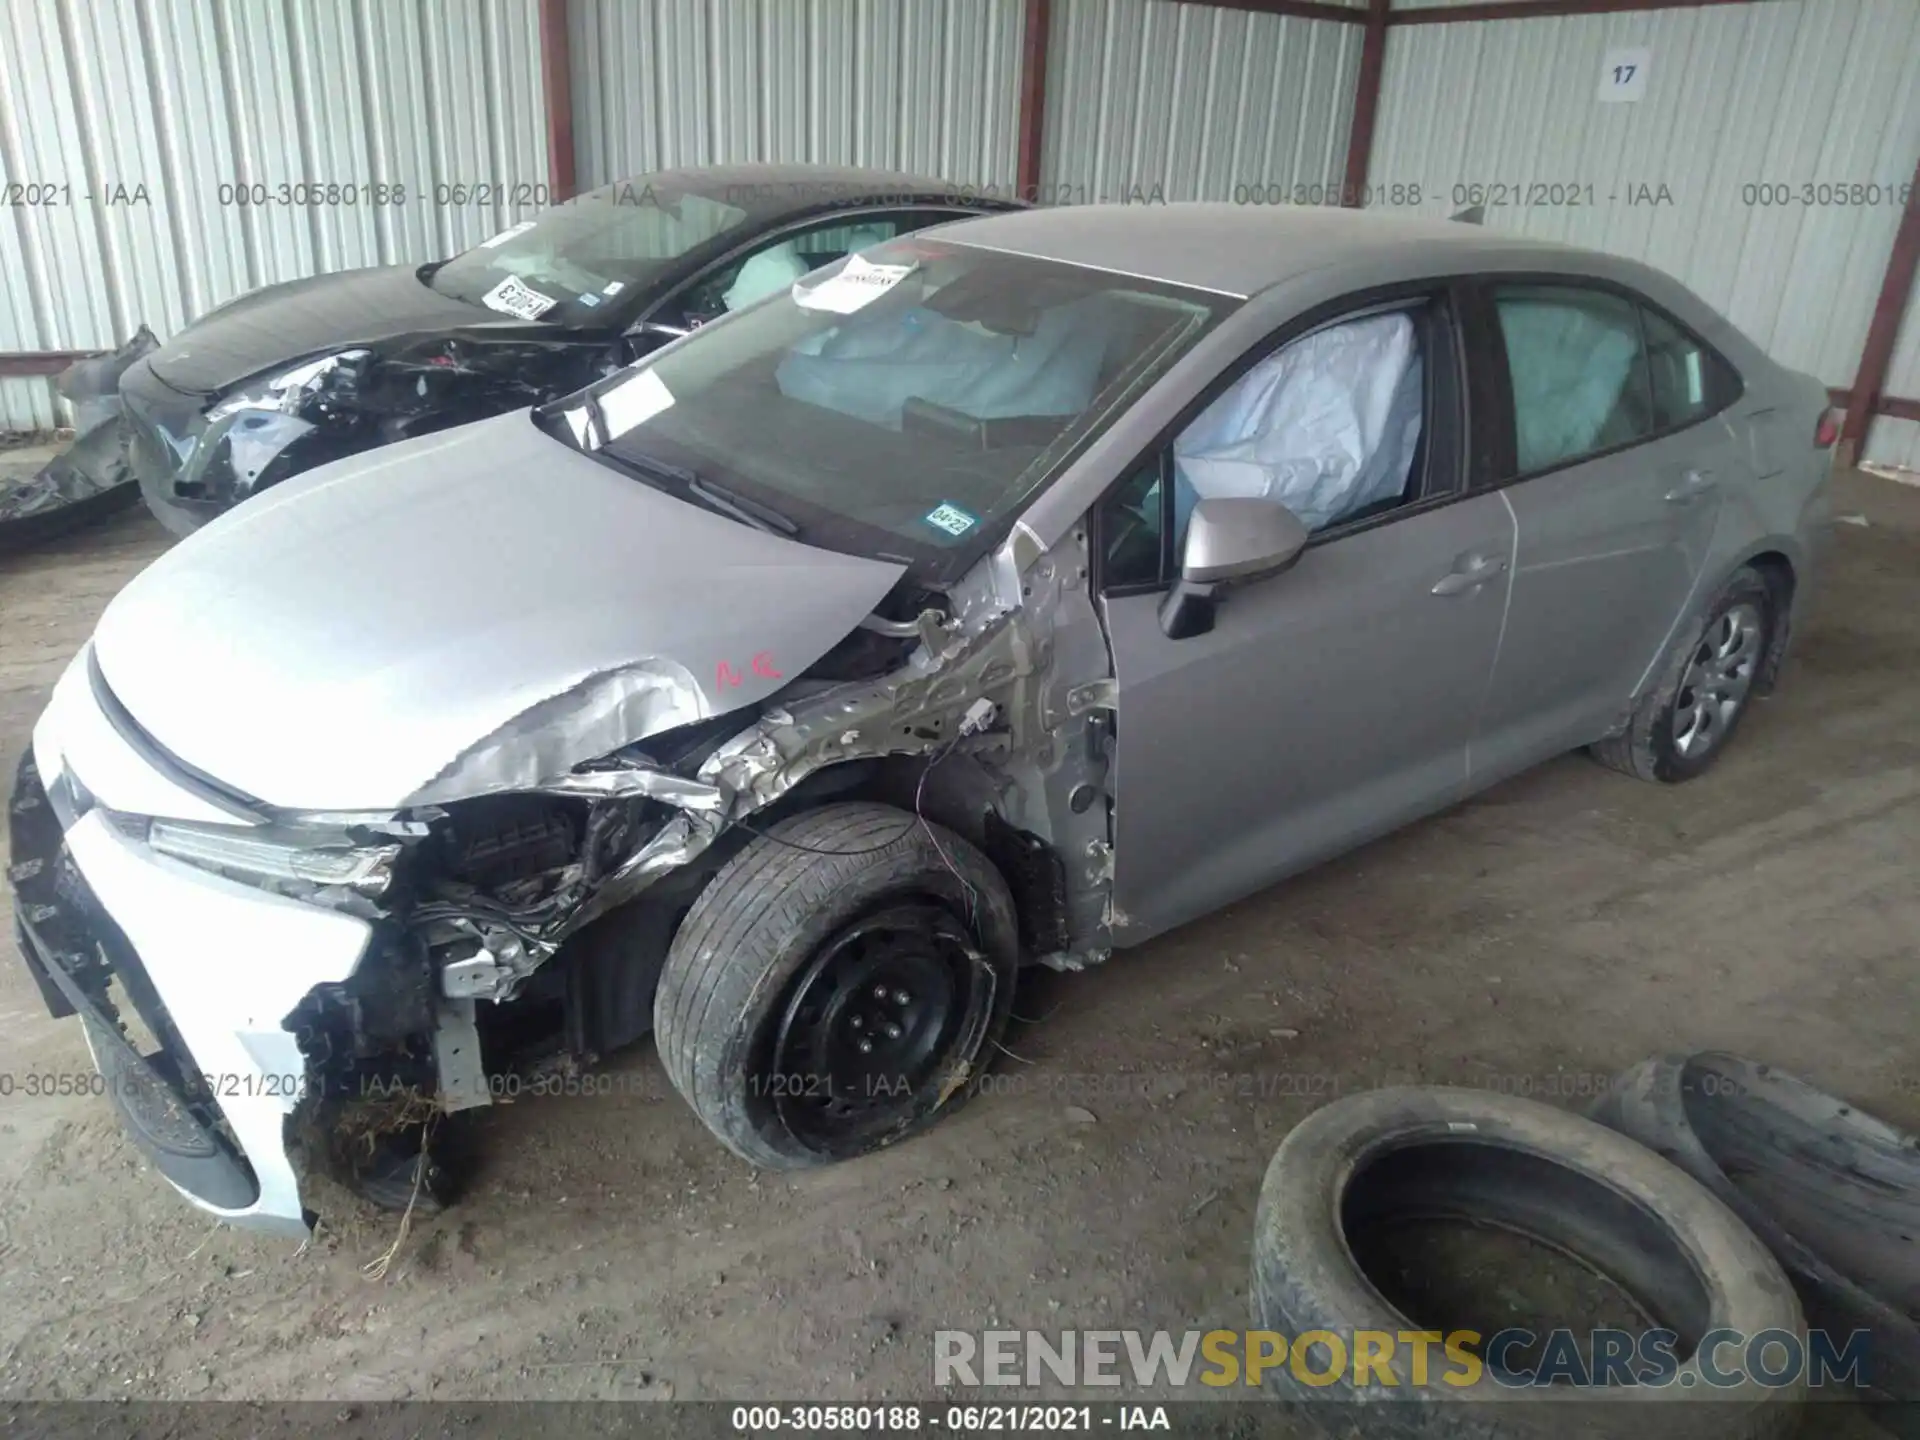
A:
<point x="1002" y="595"/>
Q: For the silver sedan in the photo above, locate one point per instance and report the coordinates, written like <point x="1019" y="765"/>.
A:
<point x="1004" y="594"/>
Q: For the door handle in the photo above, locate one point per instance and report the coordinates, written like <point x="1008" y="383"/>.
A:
<point x="1474" y="571"/>
<point x="1692" y="486"/>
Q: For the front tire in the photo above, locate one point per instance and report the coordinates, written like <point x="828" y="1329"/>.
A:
<point x="1681" y="725"/>
<point x="838" y="985"/>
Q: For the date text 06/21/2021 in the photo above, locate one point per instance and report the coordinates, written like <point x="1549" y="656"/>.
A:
<point x="908" y="1419"/>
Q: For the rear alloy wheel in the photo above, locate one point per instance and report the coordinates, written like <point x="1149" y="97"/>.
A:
<point x="1683" y="723"/>
<point x="837" y="985"/>
<point x="1718" y="677"/>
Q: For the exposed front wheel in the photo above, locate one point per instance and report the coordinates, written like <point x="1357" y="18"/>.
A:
<point x="837" y="985"/>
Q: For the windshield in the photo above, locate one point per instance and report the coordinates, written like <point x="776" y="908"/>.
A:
<point x="577" y="259"/>
<point x="897" y="403"/>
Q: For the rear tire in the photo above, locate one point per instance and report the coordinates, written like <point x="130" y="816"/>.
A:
<point x="1682" y="723"/>
<point x="838" y="985"/>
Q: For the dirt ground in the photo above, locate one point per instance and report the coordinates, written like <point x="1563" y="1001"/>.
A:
<point x="1537" y="939"/>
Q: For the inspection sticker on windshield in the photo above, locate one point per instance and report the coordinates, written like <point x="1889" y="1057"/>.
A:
<point x="859" y="283"/>
<point x="510" y="297"/>
<point x="634" y="401"/>
<point x="507" y="234"/>
<point x="951" y="518"/>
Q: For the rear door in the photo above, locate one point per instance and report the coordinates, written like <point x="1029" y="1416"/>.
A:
<point x="1616" y="450"/>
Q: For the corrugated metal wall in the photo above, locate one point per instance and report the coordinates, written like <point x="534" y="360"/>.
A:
<point x="1788" y="94"/>
<point x="106" y="100"/>
<point x="110" y="101"/>
<point x="930" y="86"/>
<point x="1196" y="102"/>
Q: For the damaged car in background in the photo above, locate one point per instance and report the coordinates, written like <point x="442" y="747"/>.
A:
<point x="93" y="477"/>
<point x="297" y="374"/>
<point x="995" y="597"/>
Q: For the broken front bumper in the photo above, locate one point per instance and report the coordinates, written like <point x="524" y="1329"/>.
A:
<point x="164" y="429"/>
<point x="209" y="967"/>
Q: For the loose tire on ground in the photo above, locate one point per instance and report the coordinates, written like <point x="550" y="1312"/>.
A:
<point x="1357" y="1164"/>
<point x="1650" y="747"/>
<point x="1834" y="1194"/>
<point x="846" y="885"/>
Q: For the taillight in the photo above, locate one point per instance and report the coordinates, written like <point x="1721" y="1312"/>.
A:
<point x="1828" y="430"/>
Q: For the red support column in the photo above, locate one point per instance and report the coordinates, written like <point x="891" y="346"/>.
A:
<point x="1033" y="95"/>
<point x="556" y="84"/>
<point x="1888" y="311"/>
<point x="1366" y="102"/>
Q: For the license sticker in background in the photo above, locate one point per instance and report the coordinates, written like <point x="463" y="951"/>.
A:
<point x="951" y="518"/>
<point x="510" y="297"/>
<point x="507" y="234"/>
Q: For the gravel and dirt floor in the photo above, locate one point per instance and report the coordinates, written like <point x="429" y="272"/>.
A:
<point x="1535" y="940"/>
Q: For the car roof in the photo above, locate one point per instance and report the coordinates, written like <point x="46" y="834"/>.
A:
<point x="1236" y="250"/>
<point x="768" y="192"/>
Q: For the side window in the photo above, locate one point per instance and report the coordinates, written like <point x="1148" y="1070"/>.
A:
<point x="1131" y="529"/>
<point x="777" y="263"/>
<point x="1331" y="425"/>
<point x="1578" y="372"/>
<point x="1690" y="382"/>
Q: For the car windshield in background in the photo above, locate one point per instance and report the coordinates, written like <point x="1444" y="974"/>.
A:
<point x="580" y="257"/>
<point x="900" y="402"/>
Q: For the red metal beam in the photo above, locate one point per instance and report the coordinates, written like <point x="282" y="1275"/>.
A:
<point x="556" y="85"/>
<point x="1897" y="406"/>
<point x="1033" y="96"/>
<point x="41" y="362"/>
<point x="1297" y="9"/>
<point x="1366" y="104"/>
<point x="1884" y="330"/>
<point x="1537" y="9"/>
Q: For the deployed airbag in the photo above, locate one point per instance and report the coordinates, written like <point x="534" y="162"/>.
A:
<point x="876" y="361"/>
<point x="768" y="273"/>
<point x="1569" y="369"/>
<point x="1328" y="425"/>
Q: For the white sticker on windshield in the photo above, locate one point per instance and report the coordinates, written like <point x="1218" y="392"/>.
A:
<point x="507" y="234"/>
<point x="613" y="287"/>
<point x="510" y="297"/>
<point x="634" y="401"/>
<point x="859" y="283"/>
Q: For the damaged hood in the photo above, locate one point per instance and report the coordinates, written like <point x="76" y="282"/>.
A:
<point x="280" y="324"/>
<point x="479" y="609"/>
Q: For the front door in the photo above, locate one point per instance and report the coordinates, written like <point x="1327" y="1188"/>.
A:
<point x="1326" y="704"/>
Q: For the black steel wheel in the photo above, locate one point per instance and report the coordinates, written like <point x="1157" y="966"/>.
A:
<point x="837" y="985"/>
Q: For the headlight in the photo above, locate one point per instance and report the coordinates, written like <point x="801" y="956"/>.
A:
<point x="290" y="389"/>
<point x="250" y="427"/>
<point x="278" y="853"/>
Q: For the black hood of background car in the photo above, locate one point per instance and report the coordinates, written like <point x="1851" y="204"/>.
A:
<point x="284" y="323"/>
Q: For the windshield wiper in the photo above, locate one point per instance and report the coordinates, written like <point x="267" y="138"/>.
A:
<point x="748" y="512"/>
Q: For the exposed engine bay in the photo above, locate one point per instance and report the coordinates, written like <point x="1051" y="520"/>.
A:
<point x="200" y="453"/>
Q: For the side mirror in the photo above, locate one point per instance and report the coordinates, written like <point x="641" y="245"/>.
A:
<point x="1229" y="539"/>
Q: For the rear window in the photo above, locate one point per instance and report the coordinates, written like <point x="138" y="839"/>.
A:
<point x="904" y="401"/>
